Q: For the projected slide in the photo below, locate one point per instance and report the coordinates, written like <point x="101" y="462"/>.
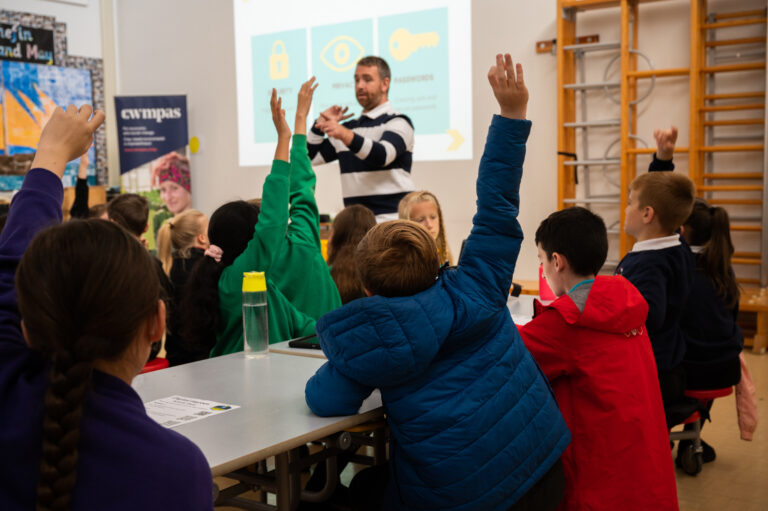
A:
<point x="427" y="45"/>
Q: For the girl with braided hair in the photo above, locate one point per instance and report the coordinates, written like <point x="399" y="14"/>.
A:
<point x="80" y="306"/>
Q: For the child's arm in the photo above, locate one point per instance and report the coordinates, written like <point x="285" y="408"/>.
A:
<point x="305" y="219"/>
<point x="273" y="218"/>
<point x="490" y="253"/>
<point x="665" y="149"/>
<point x="38" y="204"/>
<point x="543" y="338"/>
<point x="80" y="204"/>
<point x="330" y="393"/>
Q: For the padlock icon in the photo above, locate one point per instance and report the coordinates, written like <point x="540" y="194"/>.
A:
<point x="279" y="67"/>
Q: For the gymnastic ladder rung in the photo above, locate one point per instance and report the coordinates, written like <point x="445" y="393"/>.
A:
<point x="734" y="175"/>
<point x="730" y="188"/>
<point x="707" y="63"/>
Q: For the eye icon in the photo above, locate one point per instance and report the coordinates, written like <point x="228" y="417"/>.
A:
<point x="338" y="53"/>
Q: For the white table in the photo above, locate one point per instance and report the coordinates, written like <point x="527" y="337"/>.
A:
<point x="283" y="348"/>
<point x="520" y="308"/>
<point x="273" y="417"/>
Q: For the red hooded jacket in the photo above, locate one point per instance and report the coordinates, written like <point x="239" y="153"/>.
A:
<point x="601" y="368"/>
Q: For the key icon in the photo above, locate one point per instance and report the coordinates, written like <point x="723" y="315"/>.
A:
<point x="402" y="43"/>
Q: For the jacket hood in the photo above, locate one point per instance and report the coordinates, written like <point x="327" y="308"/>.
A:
<point x="613" y="305"/>
<point x="390" y="340"/>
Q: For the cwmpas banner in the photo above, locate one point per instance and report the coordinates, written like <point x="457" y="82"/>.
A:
<point x="149" y="127"/>
<point x="153" y="137"/>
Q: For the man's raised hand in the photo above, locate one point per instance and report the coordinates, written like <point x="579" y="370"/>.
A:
<point x="67" y="135"/>
<point x="508" y="86"/>
<point x="665" y="143"/>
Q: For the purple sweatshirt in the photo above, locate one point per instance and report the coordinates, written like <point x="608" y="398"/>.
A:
<point x="126" y="460"/>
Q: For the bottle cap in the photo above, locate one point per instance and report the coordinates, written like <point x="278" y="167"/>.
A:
<point x="254" y="282"/>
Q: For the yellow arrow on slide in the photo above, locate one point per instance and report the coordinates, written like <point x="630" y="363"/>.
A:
<point x="457" y="140"/>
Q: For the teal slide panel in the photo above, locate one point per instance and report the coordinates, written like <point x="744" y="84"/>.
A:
<point x="279" y="61"/>
<point x="335" y="51"/>
<point x="416" y="47"/>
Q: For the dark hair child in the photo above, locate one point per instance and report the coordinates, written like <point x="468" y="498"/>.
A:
<point x="89" y="298"/>
<point x="348" y="228"/>
<point x="592" y="345"/>
<point x="713" y="339"/>
<point x="244" y="238"/>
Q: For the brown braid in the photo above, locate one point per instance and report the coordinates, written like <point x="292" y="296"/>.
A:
<point x="64" y="400"/>
<point x="85" y="289"/>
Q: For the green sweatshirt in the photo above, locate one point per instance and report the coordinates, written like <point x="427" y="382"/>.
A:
<point x="299" y="269"/>
<point x="285" y="321"/>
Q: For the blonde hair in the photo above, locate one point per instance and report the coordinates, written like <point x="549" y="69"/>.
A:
<point x="177" y="236"/>
<point x="670" y="194"/>
<point x="404" y="213"/>
<point x="397" y="258"/>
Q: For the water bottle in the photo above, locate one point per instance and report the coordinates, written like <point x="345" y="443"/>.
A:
<point x="255" y="330"/>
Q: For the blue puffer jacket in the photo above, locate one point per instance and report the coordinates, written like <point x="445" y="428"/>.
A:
<point x="474" y="423"/>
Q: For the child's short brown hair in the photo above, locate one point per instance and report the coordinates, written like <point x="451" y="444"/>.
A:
<point x="670" y="194"/>
<point x="397" y="258"/>
<point x="129" y="211"/>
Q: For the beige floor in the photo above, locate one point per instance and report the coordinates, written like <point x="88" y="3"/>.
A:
<point x="738" y="478"/>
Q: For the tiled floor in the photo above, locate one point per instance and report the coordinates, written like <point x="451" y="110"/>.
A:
<point x="738" y="478"/>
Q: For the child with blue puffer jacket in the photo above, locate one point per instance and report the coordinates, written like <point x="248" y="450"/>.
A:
<point x="474" y="424"/>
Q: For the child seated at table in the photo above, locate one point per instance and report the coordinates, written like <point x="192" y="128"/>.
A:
<point x="473" y="423"/>
<point x="131" y="212"/>
<point x="244" y="237"/>
<point x="348" y="228"/>
<point x="661" y="267"/>
<point x="80" y="306"/>
<point x="181" y="243"/>
<point x="423" y="208"/>
<point x="592" y="345"/>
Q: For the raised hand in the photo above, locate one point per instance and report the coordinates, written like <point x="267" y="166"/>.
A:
<point x="82" y="170"/>
<point x="665" y="142"/>
<point x="67" y="135"/>
<point x="304" y="103"/>
<point x="508" y="86"/>
<point x="305" y="97"/>
<point x="278" y="116"/>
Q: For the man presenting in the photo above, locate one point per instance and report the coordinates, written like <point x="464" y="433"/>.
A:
<point x="374" y="151"/>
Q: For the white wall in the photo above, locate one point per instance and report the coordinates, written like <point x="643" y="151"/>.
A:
<point x="83" y="22"/>
<point x="187" y="47"/>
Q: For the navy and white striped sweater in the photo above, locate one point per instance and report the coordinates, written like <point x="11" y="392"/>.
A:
<point x="376" y="166"/>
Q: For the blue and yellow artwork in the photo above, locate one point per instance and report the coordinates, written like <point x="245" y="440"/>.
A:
<point x="29" y="93"/>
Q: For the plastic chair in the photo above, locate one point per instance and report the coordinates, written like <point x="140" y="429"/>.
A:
<point x="691" y="458"/>
<point x="155" y="365"/>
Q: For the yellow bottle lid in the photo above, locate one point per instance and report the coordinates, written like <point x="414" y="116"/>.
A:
<point x="254" y="282"/>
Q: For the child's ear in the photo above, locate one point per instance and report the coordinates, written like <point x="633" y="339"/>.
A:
<point x="648" y="214"/>
<point x="559" y="261"/>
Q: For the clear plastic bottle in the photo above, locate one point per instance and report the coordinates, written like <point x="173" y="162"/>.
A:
<point x="255" y="323"/>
